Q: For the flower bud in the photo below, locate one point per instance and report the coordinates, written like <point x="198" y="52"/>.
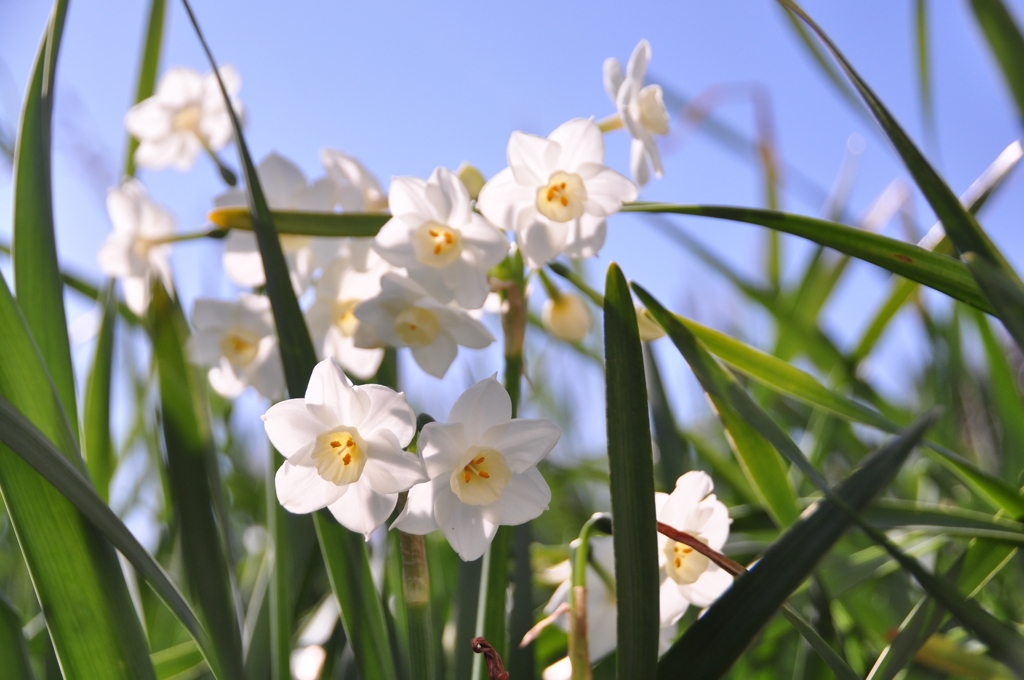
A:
<point x="567" y="318"/>
<point x="472" y="178"/>
<point x="649" y="328"/>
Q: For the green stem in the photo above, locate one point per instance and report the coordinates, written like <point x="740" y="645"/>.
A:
<point x="423" y="653"/>
<point x="610" y="123"/>
<point x="579" y="653"/>
<point x="280" y="600"/>
<point x="226" y="173"/>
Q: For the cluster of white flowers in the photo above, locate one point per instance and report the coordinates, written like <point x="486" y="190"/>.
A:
<point x="420" y="283"/>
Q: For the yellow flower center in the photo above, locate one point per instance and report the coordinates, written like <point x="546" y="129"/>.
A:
<point x="436" y="244"/>
<point x="340" y="455"/>
<point x="684" y="564"/>
<point x="480" y="476"/>
<point x="345" y="318"/>
<point x="416" y="326"/>
<point x="562" y="198"/>
<point x="239" y="346"/>
<point x="187" y="119"/>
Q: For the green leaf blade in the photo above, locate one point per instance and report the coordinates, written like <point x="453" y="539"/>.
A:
<point x="632" y="484"/>
<point x="98" y="445"/>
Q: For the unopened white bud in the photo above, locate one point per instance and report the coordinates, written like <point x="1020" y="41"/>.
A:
<point x="472" y="178"/>
<point x="649" y="328"/>
<point x="567" y="318"/>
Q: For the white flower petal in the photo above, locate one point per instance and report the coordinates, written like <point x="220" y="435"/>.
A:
<point x="136" y="293"/>
<point x="638" y="166"/>
<point x="607" y="190"/>
<point x="636" y="69"/>
<point x="406" y="197"/>
<point x="481" y="407"/>
<point x="587" y="237"/>
<point x="526" y="497"/>
<point x="612" y="71"/>
<point x="459" y="212"/>
<point x="282" y="181"/>
<point x="672" y="604"/>
<point x="391" y="470"/>
<point x="540" y="240"/>
<point x="560" y="670"/>
<point x="301" y="489"/>
<point x="524" y="441"/>
<point x="331" y="397"/>
<point x="581" y="142"/>
<point x="708" y="588"/>
<point x="442" y="446"/>
<point x="502" y="198"/>
<point x="532" y="158"/>
<point x="387" y="410"/>
<point x="436" y="357"/>
<point x="417" y="517"/>
<point x="291" y="427"/>
<point x="468" y="528"/>
<point x="179" y="86"/>
<point x="362" y="509"/>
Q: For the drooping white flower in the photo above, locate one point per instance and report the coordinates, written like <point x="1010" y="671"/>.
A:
<point x="566" y="317"/>
<point x="136" y="251"/>
<point x="445" y="246"/>
<point x="404" y="315"/>
<point x="556" y="192"/>
<point x="642" y="109"/>
<point x="186" y="113"/>
<point x="343" y="446"/>
<point x="602" y="609"/>
<point x="357" y="189"/>
<point x="688" y="577"/>
<point x="483" y="472"/>
<point x="650" y="330"/>
<point x="236" y="339"/>
<point x="285" y="188"/>
<point x="331" y="317"/>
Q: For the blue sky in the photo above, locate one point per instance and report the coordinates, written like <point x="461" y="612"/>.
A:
<point x="409" y="86"/>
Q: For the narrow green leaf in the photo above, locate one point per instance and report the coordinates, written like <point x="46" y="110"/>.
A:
<point x="924" y="81"/>
<point x="762" y="467"/>
<point x="734" y="619"/>
<point x="177" y="659"/>
<point x="631" y="469"/>
<point x="37" y="280"/>
<point x="963" y="230"/>
<point x="941" y="272"/>
<point x="997" y="492"/>
<point x="673" y="451"/>
<point x="98" y="446"/>
<point x="14" y="657"/>
<point x="1007" y="43"/>
<point x="305" y="223"/>
<point x="362" y="613"/>
<point x="344" y="552"/>
<point x="26" y="440"/>
<point x="1008" y="400"/>
<point x="74" y="570"/>
<point x="835" y="662"/>
<point x="191" y="459"/>
<point x="147" y="69"/>
<point x="897" y="514"/>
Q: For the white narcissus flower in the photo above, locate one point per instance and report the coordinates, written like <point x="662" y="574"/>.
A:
<point x="236" y="339"/>
<point x="356" y="188"/>
<point x="285" y="188"/>
<point x="137" y="250"/>
<point x="445" y="246"/>
<point x="602" y="610"/>
<point x="688" y="577"/>
<point x="404" y="315"/>
<point x="331" y="317"/>
<point x="483" y="472"/>
<point x="642" y="109"/>
<point x="186" y="113"/>
<point x="343" y="446"/>
<point x="556" y="192"/>
<point x="650" y="330"/>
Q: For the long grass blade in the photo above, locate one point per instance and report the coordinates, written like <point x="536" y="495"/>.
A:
<point x="98" y="446"/>
<point x="943" y="273"/>
<point x="14" y="657"/>
<point x="28" y="442"/>
<point x="991" y="270"/>
<point x="344" y="552"/>
<point x="147" y="69"/>
<point x="632" y="484"/>
<point x="37" y="280"/>
<point x="305" y="223"/>
<point x="191" y="475"/>
<point x="1007" y="44"/>
<point x="75" y="572"/>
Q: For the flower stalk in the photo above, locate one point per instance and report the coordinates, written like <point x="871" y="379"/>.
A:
<point x="416" y="589"/>
<point x="579" y="653"/>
